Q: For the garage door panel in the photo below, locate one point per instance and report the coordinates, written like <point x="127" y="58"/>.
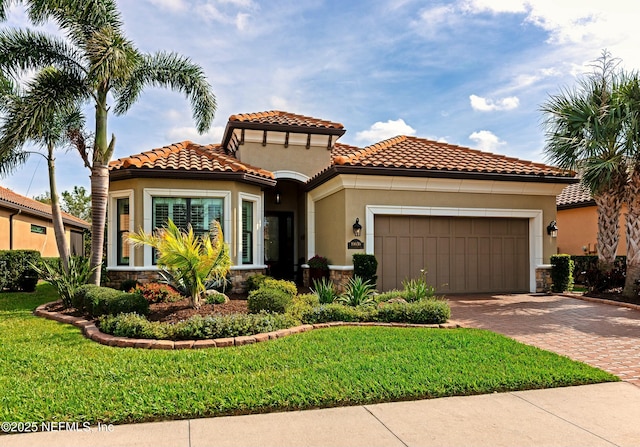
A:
<point x="460" y="254"/>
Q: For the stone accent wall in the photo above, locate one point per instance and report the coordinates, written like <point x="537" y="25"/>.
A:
<point x="543" y="279"/>
<point x="116" y="277"/>
<point x="239" y="279"/>
<point x="338" y="277"/>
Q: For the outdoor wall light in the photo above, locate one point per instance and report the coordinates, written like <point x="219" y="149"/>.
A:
<point x="552" y="229"/>
<point x="357" y="228"/>
<point x="278" y="198"/>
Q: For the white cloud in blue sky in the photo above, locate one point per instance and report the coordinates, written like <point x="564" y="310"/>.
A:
<point x="471" y="72"/>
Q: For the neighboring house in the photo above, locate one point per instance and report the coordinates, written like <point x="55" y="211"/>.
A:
<point x="26" y="224"/>
<point x="285" y="190"/>
<point x="578" y="222"/>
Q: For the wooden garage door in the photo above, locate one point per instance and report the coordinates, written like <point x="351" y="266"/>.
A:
<point x="460" y="254"/>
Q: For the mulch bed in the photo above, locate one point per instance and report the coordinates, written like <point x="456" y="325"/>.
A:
<point x="613" y="295"/>
<point x="176" y="311"/>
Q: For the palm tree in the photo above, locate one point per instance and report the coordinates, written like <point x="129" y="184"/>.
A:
<point x="50" y="131"/>
<point x="585" y="131"/>
<point x="96" y="62"/>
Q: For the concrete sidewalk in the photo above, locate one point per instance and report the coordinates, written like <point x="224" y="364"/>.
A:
<point x="592" y="415"/>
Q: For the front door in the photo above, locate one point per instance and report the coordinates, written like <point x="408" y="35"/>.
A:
<point x="278" y="244"/>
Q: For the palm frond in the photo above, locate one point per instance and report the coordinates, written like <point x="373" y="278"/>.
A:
<point x="111" y="55"/>
<point x="177" y="73"/>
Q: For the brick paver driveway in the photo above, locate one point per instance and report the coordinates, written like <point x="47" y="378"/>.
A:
<point x="601" y="335"/>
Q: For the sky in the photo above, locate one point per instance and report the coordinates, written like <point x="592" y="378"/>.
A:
<point x="473" y="73"/>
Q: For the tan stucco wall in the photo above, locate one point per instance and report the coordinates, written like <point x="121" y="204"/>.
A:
<point x="24" y="239"/>
<point x="139" y="185"/>
<point x="296" y="157"/>
<point x="578" y="228"/>
<point x="336" y="214"/>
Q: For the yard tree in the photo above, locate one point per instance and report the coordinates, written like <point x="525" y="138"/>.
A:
<point x="586" y="131"/>
<point x="48" y="128"/>
<point x="77" y="203"/>
<point x="96" y="64"/>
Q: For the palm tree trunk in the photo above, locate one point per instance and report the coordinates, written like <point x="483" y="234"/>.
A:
<point x="99" y="194"/>
<point x="58" y="225"/>
<point x="609" y="205"/>
<point x="633" y="233"/>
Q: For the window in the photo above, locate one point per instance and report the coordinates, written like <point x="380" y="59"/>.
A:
<point x="38" y="229"/>
<point x="247" y="232"/>
<point x="122" y="231"/>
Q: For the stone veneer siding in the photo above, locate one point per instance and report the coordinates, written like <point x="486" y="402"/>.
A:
<point x="117" y="277"/>
<point x="339" y="278"/>
<point x="543" y="279"/>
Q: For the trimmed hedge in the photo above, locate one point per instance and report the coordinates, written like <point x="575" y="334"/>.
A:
<point x="255" y="281"/>
<point x="365" y="266"/>
<point x="16" y="272"/>
<point x="326" y="313"/>
<point x="561" y="273"/>
<point x="269" y="299"/>
<point x="195" y="328"/>
<point x="96" y="301"/>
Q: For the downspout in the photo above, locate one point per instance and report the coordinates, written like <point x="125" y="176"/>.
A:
<point x="11" y="228"/>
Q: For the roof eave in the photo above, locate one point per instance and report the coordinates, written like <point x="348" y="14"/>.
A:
<point x="569" y="206"/>
<point x="432" y="173"/>
<point x="232" y="125"/>
<point x="41" y="214"/>
<point x="244" y="177"/>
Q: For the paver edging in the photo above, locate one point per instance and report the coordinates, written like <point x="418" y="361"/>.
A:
<point x="601" y="301"/>
<point x="92" y="332"/>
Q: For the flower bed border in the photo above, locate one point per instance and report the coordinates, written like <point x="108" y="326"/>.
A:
<point x="91" y="331"/>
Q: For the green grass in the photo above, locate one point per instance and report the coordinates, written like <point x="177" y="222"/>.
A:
<point x="49" y="371"/>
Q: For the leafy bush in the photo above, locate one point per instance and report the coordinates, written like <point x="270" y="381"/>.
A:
<point x="215" y="298"/>
<point x="195" y="328"/>
<point x="269" y="299"/>
<point x="301" y="304"/>
<point x="324" y="290"/>
<point x="128" y="285"/>
<point x="98" y="301"/>
<point x="318" y="262"/>
<point x="66" y="282"/>
<point x="281" y="284"/>
<point x="337" y="312"/>
<point x="18" y="271"/>
<point x="357" y="293"/>
<point x="587" y="272"/>
<point x="365" y="266"/>
<point x="80" y="296"/>
<point x="418" y="289"/>
<point x="561" y="273"/>
<point x="255" y="281"/>
<point x="419" y="312"/>
<point x="156" y="293"/>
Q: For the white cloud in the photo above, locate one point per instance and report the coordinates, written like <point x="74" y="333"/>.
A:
<point x="381" y="131"/>
<point x="489" y="105"/>
<point x="226" y="12"/>
<point x="436" y="16"/>
<point x="171" y="5"/>
<point x="213" y="136"/>
<point x="485" y="140"/>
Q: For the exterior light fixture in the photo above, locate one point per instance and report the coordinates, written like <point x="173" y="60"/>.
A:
<point x="552" y="229"/>
<point x="278" y="198"/>
<point x="357" y="228"/>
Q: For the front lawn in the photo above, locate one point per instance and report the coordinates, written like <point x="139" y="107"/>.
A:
<point x="50" y="372"/>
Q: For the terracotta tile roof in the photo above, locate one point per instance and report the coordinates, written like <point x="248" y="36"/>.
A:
<point x="574" y="195"/>
<point x="16" y="201"/>
<point x="418" y="153"/>
<point x="188" y="156"/>
<point x="277" y="117"/>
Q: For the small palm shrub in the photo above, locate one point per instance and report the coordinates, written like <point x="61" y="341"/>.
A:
<point x="66" y="282"/>
<point x="157" y="293"/>
<point x="269" y="299"/>
<point x="418" y="289"/>
<point x="357" y="293"/>
<point x="324" y="290"/>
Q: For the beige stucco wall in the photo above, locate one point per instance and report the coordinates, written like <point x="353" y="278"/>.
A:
<point x="139" y="185"/>
<point x="24" y="239"/>
<point x="578" y="228"/>
<point x="336" y="213"/>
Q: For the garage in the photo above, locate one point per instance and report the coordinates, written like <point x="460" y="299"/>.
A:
<point x="460" y="254"/>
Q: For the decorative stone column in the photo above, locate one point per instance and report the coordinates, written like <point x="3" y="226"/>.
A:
<point x="543" y="278"/>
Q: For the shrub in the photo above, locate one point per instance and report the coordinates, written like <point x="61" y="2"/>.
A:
<point x="66" y="282"/>
<point x="357" y="293"/>
<point x="104" y="300"/>
<point x="324" y="290"/>
<point x="128" y="285"/>
<point x="157" y="293"/>
<point x="318" y="262"/>
<point x="418" y="289"/>
<point x="255" y="281"/>
<point x="18" y="269"/>
<point x="195" y="328"/>
<point x="301" y="304"/>
<point x="215" y="298"/>
<point x="419" y="312"/>
<point x="80" y="296"/>
<point x="561" y="273"/>
<point x="337" y="312"/>
<point x="269" y="299"/>
<point x="365" y="266"/>
<point x="281" y="284"/>
<point x="391" y="295"/>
